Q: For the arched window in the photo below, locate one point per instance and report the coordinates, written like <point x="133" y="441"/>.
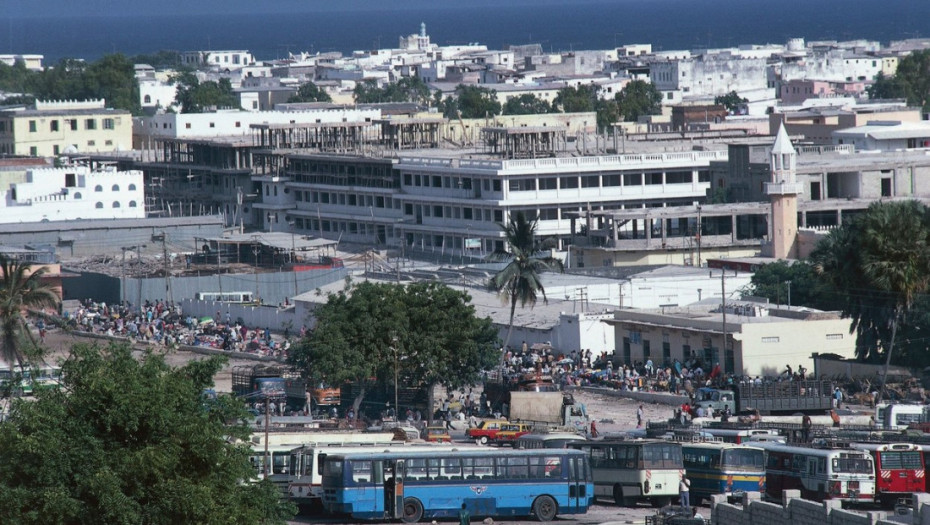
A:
<point x="99" y="205"/>
<point x="116" y="187"/>
<point x="132" y="204"/>
<point x="147" y="99"/>
<point x="116" y="204"/>
<point x="132" y="187"/>
<point x="77" y="196"/>
<point x="98" y="188"/>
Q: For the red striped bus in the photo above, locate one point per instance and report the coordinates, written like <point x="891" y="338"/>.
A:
<point x="820" y="474"/>
<point x="899" y="467"/>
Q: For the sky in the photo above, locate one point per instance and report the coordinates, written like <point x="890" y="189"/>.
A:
<point x="59" y="8"/>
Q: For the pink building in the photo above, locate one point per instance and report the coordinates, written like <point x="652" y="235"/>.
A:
<point x="797" y="91"/>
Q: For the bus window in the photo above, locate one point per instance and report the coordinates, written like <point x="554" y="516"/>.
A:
<point x="911" y="460"/>
<point x="744" y="458"/>
<point x="890" y="460"/>
<point x="452" y="468"/>
<point x="484" y="467"/>
<point x="852" y="465"/>
<point x="416" y="469"/>
<point x="333" y="468"/>
<point x="512" y="468"/>
<point x="361" y="471"/>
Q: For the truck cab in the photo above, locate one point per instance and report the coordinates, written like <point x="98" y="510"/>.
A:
<point x="714" y="400"/>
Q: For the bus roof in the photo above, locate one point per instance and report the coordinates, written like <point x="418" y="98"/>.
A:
<point x="458" y="453"/>
<point x="807" y="451"/>
<point x="886" y="447"/>
<point x="719" y="445"/>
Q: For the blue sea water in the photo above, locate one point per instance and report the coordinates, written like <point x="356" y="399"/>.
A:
<point x="592" y="24"/>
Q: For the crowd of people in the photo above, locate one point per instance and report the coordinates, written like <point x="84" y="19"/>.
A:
<point x="165" y="323"/>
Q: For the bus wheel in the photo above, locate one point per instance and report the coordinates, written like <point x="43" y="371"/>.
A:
<point x="618" y="496"/>
<point x="545" y="508"/>
<point x="413" y="510"/>
<point x="661" y="502"/>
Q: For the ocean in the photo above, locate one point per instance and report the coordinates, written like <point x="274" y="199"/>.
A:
<point x="593" y="24"/>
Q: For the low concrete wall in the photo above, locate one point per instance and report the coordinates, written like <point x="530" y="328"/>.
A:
<point x="659" y="398"/>
<point x="796" y="511"/>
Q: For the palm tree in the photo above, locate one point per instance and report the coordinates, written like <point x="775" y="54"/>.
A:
<point x="21" y="290"/>
<point x="880" y="262"/>
<point x="895" y="257"/>
<point x="519" y="281"/>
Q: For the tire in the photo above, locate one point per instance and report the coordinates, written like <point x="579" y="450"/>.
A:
<point x="618" y="496"/>
<point x="413" y="510"/>
<point x="545" y="508"/>
<point x="483" y="440"/>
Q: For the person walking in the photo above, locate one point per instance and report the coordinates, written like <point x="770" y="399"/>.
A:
<point x="464" y="515"/>
<point x="639" y="417"/>
<point x="684" y="492"/>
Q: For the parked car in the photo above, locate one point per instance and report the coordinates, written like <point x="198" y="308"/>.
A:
<point x="438" y="434"/>
<point x="509" y="433"/>
<point x="486" y="430"/>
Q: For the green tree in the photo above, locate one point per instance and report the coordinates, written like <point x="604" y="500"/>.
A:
<point x="476" y="101"/>
<point x="128" y="440"/>
<point x="911" y="80"/>
<point x="428" y="330"/>
<point x="407" y="89"/>
<point x="732" y="101"/>
<point x="21" y="291"/>
<point x="526" y="104"/>
<point x="197" y="97"/>
<point x="159" y="60"/>
<point x="807" y="287"/>
<point x="639" y="98"/>
<point x="519" y="281"/>
<point x="608" y="113"/>
<point x="877" y="264"/>
<point x="310" y="92"/>
<point x="579" y="99"/>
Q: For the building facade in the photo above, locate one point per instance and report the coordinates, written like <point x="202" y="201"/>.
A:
<point x="72" y="193"/>
<point x="64" y="127"/>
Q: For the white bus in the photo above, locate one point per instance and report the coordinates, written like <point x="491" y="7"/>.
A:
<point x="225" y="297"/>
<point x="630" y="471"/>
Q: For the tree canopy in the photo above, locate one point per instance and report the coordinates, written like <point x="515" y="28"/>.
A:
<point x="526" y="104"/>
<point x="407" y="89"/>
<point x="878" y="265"/>
<point x="436" y="335"/>
<point x="195" y="96"/>
<point x="310" y="92"/>
<point x="130" y="441"/>
<point x="471" y="102"/>
<point x="910" y="81"/>
<point x="806" y="287"/>
<point x="584" y="98"/>
<point x="112" y="77"/>
<point x="732" y="101"/>
<point x="639" y="98"/>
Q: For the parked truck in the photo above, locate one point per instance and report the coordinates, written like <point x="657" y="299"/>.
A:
<point x="255" y="383"/>
<point x="783" y="397"/>
<point x="549" y="409"/>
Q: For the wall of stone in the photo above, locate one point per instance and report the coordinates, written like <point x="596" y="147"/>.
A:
<point x="796" y="511"/>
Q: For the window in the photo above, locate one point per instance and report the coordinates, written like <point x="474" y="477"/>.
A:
<point x="132" y="204"/>
<point x="53" y="125"/>
<point x="32" y="126"/>
<point x="77" y="195"/>
<point x="91" y="143"/>
<point x="773" y="339"/>
<point x="834" y="337"/>
<point x="74" y="124"/>
<point x="108" y="124"/>
<point x="34" y="151"/>
<point x="147" y="99"/>
<point x="568" y="182"/>
<point x="99" y="205"/>
<point x="90" y="124"/>
<point x="187" y="125"/>
<point x="116" y="204"/>
<point x="632" y="179"/>
<point x="115" y="187"/>
<point x="56" y="149"/>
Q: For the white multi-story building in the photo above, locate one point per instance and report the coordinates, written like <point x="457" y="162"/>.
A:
<point x="233" y="59"/>
<point x="72" y="193"/>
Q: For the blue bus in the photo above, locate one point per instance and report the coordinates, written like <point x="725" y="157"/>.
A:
<point x="723" y="468"/>
<point x="413" y="485"/>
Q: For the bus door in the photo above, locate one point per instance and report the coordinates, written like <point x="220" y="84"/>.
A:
<point x="577" y="485"/>
<point x="394" y="488"/>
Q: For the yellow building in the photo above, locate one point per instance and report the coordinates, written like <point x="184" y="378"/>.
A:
<point x="64" y="127"/>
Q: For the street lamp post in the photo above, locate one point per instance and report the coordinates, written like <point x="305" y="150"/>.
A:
<point x="292" y="225"/>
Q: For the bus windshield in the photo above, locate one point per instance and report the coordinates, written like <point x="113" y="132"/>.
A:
<point x="852" y="465"/>
<point x="661" y="455"/>
<point x="332" y="468"/>
<point x="744" y="459"/>
<point x="900" y="460"/>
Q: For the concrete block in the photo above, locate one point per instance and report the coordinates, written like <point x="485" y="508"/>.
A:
<point x="749" y="497"/>
<point x="717" y="499"/>
<point x="788" y="495"/>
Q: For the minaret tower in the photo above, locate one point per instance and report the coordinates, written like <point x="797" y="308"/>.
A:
<point x="783" y="193"/>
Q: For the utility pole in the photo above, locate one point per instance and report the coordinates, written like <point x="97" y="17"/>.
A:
<point x="164" y="253"/>
<point x="789" y="293"/>
<point x="699" y="236"/>
<point x="139" y="261"/>
<point x="723" y="309"/>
